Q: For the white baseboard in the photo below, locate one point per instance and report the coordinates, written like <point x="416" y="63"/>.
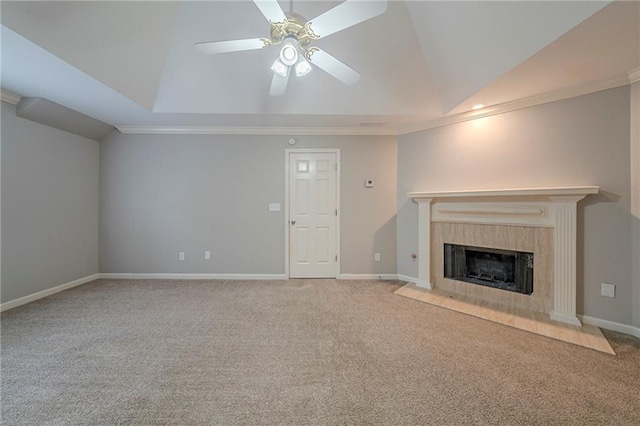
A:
<point x="610" y="325"/>
<point x="565" y="318"/>
<point x="423" y="284"/>
<point x="48" y="292"/>
<point x="368" y="277"/>
<point x="193" y="276"/>
<point x="407" y="279"/>
<point x="44" y="293"/>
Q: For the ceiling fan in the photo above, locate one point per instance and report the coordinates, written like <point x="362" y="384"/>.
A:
<point x="295" y="33"/>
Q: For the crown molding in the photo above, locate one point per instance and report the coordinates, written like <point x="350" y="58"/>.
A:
<point x="10" y="97"/>
<point x="558" y="95"/>
<point x="288" y="131"/>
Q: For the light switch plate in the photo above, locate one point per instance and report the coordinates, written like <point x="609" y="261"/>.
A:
<point x="274" y="207"/>
<point x="607" y="290"/>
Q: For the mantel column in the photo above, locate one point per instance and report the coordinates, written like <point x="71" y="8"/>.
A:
<point x="564" y="271"/>
<point x="424" y="242"/>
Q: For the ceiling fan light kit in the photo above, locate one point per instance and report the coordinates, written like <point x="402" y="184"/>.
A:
<point x="279" y="68"/>
<point x="295" y="33"/>
<point x="302" y="67"/>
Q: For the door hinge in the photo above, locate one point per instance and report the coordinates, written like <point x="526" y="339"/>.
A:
<point x="336" y="212"/>
<point x="336" y="164"/>
<point x="336" y="257"/>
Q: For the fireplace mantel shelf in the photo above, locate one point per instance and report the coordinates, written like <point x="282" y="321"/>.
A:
<point x="568" y="191"/>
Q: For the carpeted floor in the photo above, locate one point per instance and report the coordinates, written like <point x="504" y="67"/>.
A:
<point x="294" y="352"/>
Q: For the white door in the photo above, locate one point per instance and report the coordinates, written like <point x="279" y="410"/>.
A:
<point x="313" y="215"/>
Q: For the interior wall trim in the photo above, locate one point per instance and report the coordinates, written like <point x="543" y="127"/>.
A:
<point x="183" y="277"/>
<point x="635" y="197"/>
<point x="259" y="130"/>
<point x="611" y="325"/>
<point x="48" y="292"/>
<point x="558" y="95"/>
<point x="62" y="287"/>
<point x="10" y="97"/>
<point x="408" y="279"/>
<point x="368" y="277"/>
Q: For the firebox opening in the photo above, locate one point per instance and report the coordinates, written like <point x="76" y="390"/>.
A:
<point x="503" y="269"/>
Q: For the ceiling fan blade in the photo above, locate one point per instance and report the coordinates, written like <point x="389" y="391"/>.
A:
<point x="271" y="10"/>
<point x="213" y="47"/>
<point x="333" y="66"/>
<point x="345" y="15"/>
<point x="279" y="83"/>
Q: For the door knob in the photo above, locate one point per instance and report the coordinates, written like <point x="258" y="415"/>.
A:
<point x="293" y="222"/>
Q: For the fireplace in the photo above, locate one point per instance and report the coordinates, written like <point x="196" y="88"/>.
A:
<point x="504" y="269"/>
<point x="532" y="220"/>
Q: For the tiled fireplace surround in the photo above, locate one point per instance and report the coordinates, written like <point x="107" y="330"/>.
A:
<point x="537" y="220"/>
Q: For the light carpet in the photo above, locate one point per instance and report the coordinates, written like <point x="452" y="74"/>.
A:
<point x="294" y="352"/>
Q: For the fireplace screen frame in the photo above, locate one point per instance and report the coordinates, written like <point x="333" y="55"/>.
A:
<point x="508" y="270"/>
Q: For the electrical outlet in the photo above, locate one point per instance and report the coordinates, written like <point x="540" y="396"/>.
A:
<point x="376" y="257"/>
<point x="181" y="255"/>
<point x="607" y="290"/>
<point x="207" y="255"/>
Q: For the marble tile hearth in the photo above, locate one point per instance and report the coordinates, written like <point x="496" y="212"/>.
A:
<point x="535" y="322"/>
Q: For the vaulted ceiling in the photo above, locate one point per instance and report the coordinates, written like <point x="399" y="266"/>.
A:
<point x="133" y="63"/>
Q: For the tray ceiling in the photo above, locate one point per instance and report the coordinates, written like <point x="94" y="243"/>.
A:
<point x="133" y="63"/>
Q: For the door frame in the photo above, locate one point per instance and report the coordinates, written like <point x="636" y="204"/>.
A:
<point x="287" y="153"/>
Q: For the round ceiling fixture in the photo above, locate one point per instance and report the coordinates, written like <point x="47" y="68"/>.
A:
<point x="289" y="53"/>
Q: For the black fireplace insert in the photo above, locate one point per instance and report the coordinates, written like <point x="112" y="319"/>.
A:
<point x="503" y="269"/>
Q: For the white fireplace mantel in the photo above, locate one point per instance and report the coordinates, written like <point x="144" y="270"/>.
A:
<point x="569" y="191"/>
<point x="547" y="207"/>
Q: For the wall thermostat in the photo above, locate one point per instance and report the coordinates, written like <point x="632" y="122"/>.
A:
<point x="369" y="183"/>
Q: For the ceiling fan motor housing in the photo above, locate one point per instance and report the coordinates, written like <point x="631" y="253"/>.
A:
<point x="294" y="27"/>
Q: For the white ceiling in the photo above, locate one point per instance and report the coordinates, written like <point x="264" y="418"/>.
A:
<point x="133" y="63"/>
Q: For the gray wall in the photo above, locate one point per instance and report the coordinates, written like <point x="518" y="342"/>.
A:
<point x="579" y="141"/>
<point x="49" y="206"/>
<point x="162" y="194"/>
